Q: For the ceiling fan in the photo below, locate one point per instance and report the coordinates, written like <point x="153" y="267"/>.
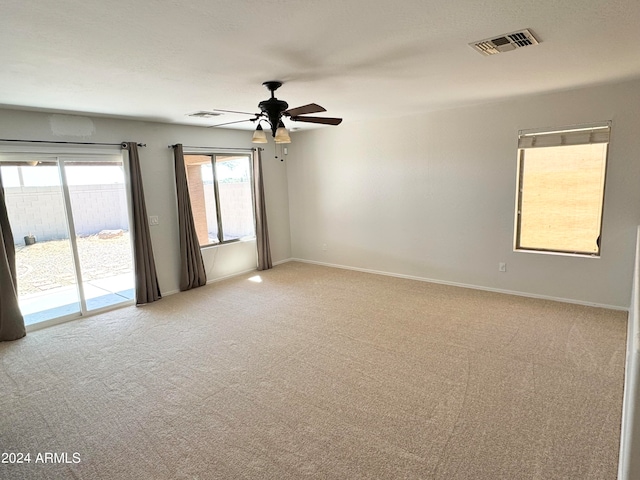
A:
<point x="273" y="110"/>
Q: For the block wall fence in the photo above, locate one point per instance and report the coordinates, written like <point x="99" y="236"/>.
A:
<point x="40" y="210"/>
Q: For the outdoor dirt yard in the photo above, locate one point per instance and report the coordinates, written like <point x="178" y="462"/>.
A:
<point x="47" y="265"/>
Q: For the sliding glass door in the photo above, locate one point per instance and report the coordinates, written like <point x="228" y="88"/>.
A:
<point x="100" y="214"/>
<point x="70" y="220"/>
<point x="47" y="282"/>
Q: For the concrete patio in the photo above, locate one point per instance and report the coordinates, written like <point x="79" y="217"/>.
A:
<point x="46" y="278"/>
<point x="63" y="301"/>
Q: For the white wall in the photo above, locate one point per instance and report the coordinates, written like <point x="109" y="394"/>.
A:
<point x="629" y="466"/>
<point x="433" y="196"/>
<point x="159" y="181"/>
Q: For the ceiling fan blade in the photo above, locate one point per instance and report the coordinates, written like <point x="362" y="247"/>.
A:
<point x="323" y="120"/>
<point x="229" y="123"/>
<point x="311" y="108"/>
<point x="232" y="111"/>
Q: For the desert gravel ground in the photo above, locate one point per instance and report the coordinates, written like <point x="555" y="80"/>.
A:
<point x="47" y="265"/>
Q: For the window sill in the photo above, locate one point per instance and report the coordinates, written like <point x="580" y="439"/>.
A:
<point x="227" y="242"/>
<point x="561" y="254"/>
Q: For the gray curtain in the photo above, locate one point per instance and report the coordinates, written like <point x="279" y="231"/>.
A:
<point x="192" y="272"/>
<point x="147" y="287"/>
<point x="262" y="232"/>
<point x="11" y="319"/>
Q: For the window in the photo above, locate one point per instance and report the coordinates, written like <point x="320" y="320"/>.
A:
<point x="561" y="189"/>
<point x="221" y="197"/>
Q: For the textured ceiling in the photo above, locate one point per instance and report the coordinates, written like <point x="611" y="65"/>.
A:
<point x="159" y="60"/>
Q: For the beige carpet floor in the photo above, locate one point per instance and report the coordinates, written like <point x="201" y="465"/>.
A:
<point x="320" y="373"/>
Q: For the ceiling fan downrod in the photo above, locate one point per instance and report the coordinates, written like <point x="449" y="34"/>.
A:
<point x="272" y="86"/>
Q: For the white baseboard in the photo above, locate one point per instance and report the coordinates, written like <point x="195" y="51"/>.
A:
<point x="225" y="277"/>
<point x="170" y="292"/>
<point x="463" y="285"/>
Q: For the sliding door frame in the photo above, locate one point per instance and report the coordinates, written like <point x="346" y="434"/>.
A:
<point x="71" y="228"/>
<point x="62" y="155"/>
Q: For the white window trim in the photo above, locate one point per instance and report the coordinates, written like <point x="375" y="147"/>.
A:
<point x="571" y="129"/>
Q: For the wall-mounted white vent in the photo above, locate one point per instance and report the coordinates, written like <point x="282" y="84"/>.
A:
<point x="204" y="114"/>
<point x="505" y="43"/>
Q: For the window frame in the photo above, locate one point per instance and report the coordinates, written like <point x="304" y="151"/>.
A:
<point x="520" y="181"/>
<point x="213" y="154"/>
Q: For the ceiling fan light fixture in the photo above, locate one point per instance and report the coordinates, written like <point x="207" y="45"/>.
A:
<point x="259" y="136"/>
<point x="282" y="135"/>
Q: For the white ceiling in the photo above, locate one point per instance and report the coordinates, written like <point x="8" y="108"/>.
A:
<point x="161" y="59"/>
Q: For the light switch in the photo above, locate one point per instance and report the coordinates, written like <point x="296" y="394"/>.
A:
<point x="153" y="220"/>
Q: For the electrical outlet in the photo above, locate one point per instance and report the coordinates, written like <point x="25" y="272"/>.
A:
<point x="153" y="220"/>
<point x="324" y="247"/>
<point x="502" y="267"/>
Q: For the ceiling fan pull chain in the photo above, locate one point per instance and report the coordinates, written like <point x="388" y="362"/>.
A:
<point x="275" y="151"/>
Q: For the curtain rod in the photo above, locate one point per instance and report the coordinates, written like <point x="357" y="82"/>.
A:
<point x="214" y="148"/>
<point x="122" y="144"/>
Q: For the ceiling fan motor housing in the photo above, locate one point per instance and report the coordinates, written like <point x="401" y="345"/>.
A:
<point x="273" y="109"/>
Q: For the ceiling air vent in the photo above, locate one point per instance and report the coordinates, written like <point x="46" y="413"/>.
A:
<point x="204" y="114"/>
<point x="505" y="43"/>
